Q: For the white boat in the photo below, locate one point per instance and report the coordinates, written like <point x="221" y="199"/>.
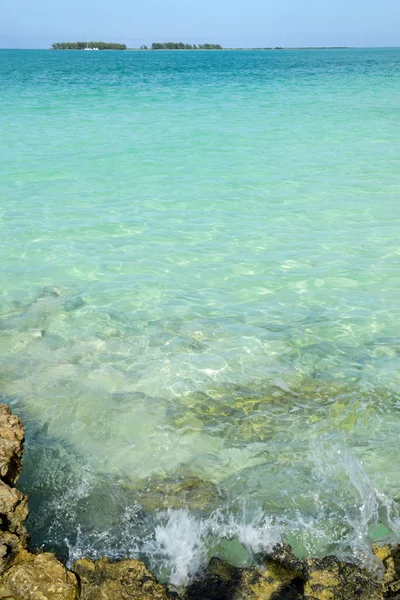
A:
<point x="87" y="47"/>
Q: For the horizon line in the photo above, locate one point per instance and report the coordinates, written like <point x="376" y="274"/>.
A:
<point x="319" y="47"/>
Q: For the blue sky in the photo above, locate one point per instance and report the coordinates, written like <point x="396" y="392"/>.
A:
<point x="37" y="23"/>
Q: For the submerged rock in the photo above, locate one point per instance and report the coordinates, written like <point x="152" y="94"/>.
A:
<point x="122" y="580"/>
<point x="73" y="303"/>
<point x="180" y="492"/>
<point x="247" y="414"/>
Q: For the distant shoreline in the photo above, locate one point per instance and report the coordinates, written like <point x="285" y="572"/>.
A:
<point x="255" y="48"/>
<point x="222" y="49"/>
<point x="107" y="46"/>
<point x="87" y="46"/>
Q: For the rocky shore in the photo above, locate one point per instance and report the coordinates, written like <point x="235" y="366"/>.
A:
<point x="25" y="575"/>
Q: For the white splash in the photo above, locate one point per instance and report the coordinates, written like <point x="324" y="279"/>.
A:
<point x="179" y="545"/>
<point x="182" y="543"/>
<point x="255" y="530"/>
<point x="348" y="496"/>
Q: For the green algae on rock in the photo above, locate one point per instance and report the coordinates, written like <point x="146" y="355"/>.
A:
<point x="282" y="576"/>
<point x="226" y="582"/>
<point x="122" y="580"/>
<point x="330" y="579"/>
<point x="390" y="558"/>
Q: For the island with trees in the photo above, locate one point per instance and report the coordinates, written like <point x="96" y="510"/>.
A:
<point x="182" y="46"/>
<point x="87" y="46"/>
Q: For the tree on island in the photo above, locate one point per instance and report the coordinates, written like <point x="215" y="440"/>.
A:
<point x="182" y="46"/>
<point x="83" y="45"/>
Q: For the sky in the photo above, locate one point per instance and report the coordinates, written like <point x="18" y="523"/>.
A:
<point x="231" y="23"/>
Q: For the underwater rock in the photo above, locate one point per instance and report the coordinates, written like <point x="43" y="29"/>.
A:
<point x="246" y="414"/>
<point x="73" y="304"/>
<point x="242" y="415"/>
<point x="123" y="580"/>
<point x="57" y="291"/>
<point x="38" y="577"/>
<point x="182" y="492"/>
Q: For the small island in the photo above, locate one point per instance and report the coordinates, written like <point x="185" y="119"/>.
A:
<point x="87" y="46"/>
<point x="181" y="46"/>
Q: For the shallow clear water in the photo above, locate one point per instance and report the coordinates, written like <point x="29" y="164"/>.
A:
<point x="199" y="300"/>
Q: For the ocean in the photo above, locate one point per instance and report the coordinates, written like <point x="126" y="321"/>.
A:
<point x="199" y="300"/>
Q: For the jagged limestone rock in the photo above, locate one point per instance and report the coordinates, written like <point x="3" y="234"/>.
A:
<point x="285" y="577"/>
<point x="330" y="579"/>
<point x="390" y="557"/>
<point x="123" y="580"/>
<point x="10" y="545"/>
<point x="13" y="504"/>
<point x="13" y="510"/>
<point x="222" y="581"/>
<point x="38" y="577"/>
<point x="12" y="435"/>
<point x="283" y="554"/>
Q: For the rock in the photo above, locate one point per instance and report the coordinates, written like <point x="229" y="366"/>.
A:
<point x="285" y="577"/>
<point x="222" y="581"/>
<point x="390" y="557"/>
<point x="12" y="435"/>
<point x="13" y="510"/>
<point x="180" y="492"/>
<point x="330" y="579"/>
<point x="51" y="291"/>
<point x="214" y="411"/>
<point x="10" y="546"/>
<point x="13" y="504"/>
<point x="73" y="304"/>
<point x="39" y="577"/>
<point x="283" y="554"/>
<point x="123" y="580"/>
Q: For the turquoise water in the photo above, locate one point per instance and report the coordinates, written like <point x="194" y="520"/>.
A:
<point x="199" y="300"/>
